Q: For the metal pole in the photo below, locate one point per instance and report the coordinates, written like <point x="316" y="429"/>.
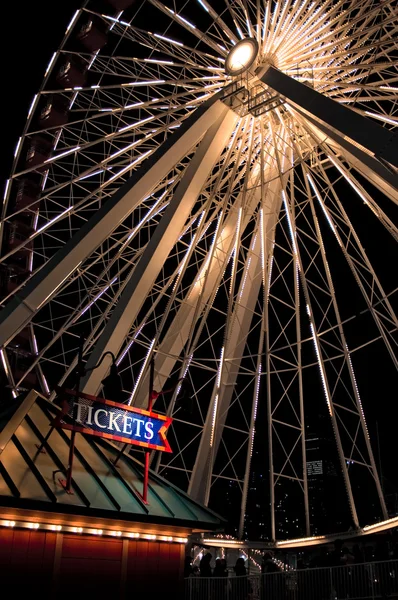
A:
<point x="321" y="364"/>
<point x="150" y="398"/>
<point x="379" y="456"/>
<point x="67" y="484"/>
<point x="372" y="467"/>
<point x="300" y="383"/>
<point x="118" y="456"/>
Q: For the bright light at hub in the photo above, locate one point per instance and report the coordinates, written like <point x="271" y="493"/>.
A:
<point x="241" y="57"/>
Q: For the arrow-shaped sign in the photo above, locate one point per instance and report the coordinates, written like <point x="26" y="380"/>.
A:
<point x="114" y="421"/>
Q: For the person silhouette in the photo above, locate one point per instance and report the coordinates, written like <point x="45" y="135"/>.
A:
<point x="205" y="568"/>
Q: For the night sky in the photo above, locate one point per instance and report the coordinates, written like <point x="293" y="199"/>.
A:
<point x="37" y="29"/>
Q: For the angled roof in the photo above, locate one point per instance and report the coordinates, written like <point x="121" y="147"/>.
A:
<point x="29" y="479"/>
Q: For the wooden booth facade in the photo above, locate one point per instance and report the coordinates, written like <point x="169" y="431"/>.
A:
<point x="100" y="540"/>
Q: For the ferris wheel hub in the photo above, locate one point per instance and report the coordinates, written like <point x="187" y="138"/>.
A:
<point x="241" y="57"/>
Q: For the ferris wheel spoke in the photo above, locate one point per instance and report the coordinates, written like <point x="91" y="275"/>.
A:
<point x="374" y="171"/>
<point x="360" y="265"/>
<point x="366" y="198"/>
<point x="72" y="259"/>
<point x="188" y="26"/>
<point x="168" y="46"/>
<point x="363" y="24"/>
<point x="222" y="391"/>
<point x="350" y="385"/>
<point x="208" y="283"/>
<point x="333" y="156"/>
<point x="290" y="88"/>
<point x="205" y="158"/>
<point x="237" y="327"/>
<point x="215" y="261"/>
<point x="289" y="209"/>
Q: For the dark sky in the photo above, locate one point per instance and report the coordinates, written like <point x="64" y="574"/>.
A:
<point x="36" y="30"/>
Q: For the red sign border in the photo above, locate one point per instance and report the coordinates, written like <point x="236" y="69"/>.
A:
<point x="119" y="438"/>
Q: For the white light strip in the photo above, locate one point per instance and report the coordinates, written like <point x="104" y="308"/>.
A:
<point x="3" y="360"/>
<point x="323" y="208"/>
<point x="44" y="380"/>
<point x="50" y="63"/>
<point x="216" y="398"/>
<point x="136" y="83"/>
<point x="130" y="166"/>
<point x="127" y="127"/>
<point x="220" y="367"/>
<point x="90" y="64"/>
<point x="191" y="25"/>
<point x="387" y="522"/>
<point x="97" y="297"/>
<point x="7" y="185"/>
<point x="72" y="21"/>
<point x="17" y="147"/>
<point x="92" y="531"/>
<point x="166" y="39"/>
<point x="116" y="20"/>
<point x="239" y="31"/>
<point x="134" y="105"/>
<point x="290" y="223"/>
<point x="158" y="62"/>
<point x="54" y="220"/>
<point x="91" y="174"/>
<point x="352" y="184"/>
<point x="32" y="105"/>
<point x="57" y="137"/>
<point x="222" y="541"/>
<point x="73" y="100"/>
<point x="298" y="540"/>
<point x="245" y="278"/>
<point x="70" y="151"/>
<point x="35" y="349"/>
<point x="320" y="363"/>
<point x="144" y="366"/>
<point x="381" y="117"/>
<point x="127" y="348"/>
<point x="253" y="431"/>
<point x="203" y="5"/>
<point x="120" y="151"/>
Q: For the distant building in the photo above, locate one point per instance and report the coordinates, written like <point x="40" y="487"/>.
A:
<point x="257" y="509"/>
<point x="323" y="481"/>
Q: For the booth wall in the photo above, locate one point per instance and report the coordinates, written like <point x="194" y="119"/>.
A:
<point x="62" y="566"/>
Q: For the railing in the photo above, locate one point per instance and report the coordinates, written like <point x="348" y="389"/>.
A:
<point x="353" y="582"/>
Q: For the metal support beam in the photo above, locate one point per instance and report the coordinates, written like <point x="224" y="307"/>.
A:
<point x="321" y="361"/>
<point x="370" y="168"/>
<point x="200" y="483"/>
<point x="239" y="326"/>
<point x="188" y="313"/>
<point x="202" y="289"/>
<point x="46" y="282"/>
<point x="161" y="243"/>
<point x="382" y="142"/>
<point x="361" y="416"/>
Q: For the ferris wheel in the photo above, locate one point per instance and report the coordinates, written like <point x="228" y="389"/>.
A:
<point x="191" y="186"/>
